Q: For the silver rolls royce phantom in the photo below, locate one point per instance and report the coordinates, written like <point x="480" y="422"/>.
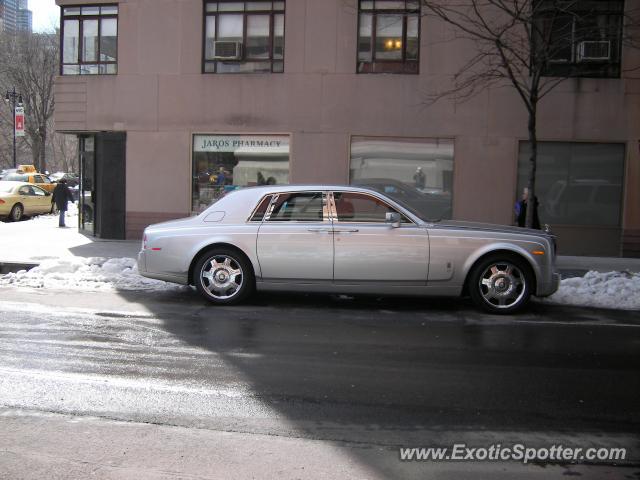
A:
<point x="346" y="239"/>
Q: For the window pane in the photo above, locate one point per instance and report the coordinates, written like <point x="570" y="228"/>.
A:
<point x="258" y="5"/>
<point x="384" y="5"/>
<point x="364" y="38"/>
<point x="279" y="6"/>
<point x="71" y="11"/>
<point x="210" y="36"/>
<point x="71" y="41"/>
<point x="577" y="184"/>
<point x="71" y="70"/>
<point x="230" y="27"/>
<point x="90" y="40"/>
<point x="278" y="67"/>
<point x="355" y="207"/>
<point x="212" y="7"/>
<point x="278" y="36"/>
<point x="366" y="5"/>
<point x="412" y="37"/>
<point x="90" y="10"/>
<point x="257" y="36"/>
<point x="417" y="172"/>
<point x="112" y="10"/>
<point x="109" y="40"/>
<point x="389" y="37"/>
<point x="301" y="207"/>
<point x="231" y="6"/>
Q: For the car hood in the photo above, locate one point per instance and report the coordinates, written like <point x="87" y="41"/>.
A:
<point x="489" y="227"/>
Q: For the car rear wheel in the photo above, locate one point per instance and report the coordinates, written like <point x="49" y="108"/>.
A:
<point x="223" y="276"/>
<point x="16" y="212"/>
<point x="501" y="284"/>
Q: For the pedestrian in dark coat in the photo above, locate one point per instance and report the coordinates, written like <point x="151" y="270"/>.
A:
<point x="61" y="197"/>
<point x="521" y="210"/>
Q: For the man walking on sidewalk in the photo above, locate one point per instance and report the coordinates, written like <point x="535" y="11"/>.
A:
<point x="61" y="196"/>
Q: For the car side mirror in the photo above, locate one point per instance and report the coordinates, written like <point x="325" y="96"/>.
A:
<point x="393" y="218"/>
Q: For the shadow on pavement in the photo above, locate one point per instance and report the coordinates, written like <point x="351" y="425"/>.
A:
<point x="391" y="371"/>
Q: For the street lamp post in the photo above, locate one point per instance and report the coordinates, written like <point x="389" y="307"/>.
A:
<point x="11" y="96"/>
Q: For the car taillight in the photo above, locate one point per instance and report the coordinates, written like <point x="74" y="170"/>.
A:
<point x="1" y="201"/>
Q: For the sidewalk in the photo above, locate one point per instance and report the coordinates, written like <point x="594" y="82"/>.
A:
<point x="29" y="242"/>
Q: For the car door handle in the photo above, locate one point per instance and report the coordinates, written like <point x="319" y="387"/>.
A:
<point x="347" y="230"/>
<point x="319" y="230"/>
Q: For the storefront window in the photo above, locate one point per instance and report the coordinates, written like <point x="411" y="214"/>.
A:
<point x="415" y="171"/>
<point x="576" y="183"/>
<point x="222" y="163"/>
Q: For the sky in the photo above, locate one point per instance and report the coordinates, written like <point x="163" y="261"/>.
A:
<point x="46" y="15"/>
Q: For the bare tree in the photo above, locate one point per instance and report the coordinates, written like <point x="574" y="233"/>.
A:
<point x="532" y="46"/>
<point x="30" y="64"/>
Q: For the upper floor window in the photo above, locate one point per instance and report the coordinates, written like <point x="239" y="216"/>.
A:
<point x="244" y="37"/>
<point x="388" y="36"/>
<point x="579" y="39"/>
<point x="89" y="40"/>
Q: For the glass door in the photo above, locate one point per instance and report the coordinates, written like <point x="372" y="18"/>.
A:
<point x="87" y="193"/>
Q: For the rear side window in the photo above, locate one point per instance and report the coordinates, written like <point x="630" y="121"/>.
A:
<point x="261" y="209"/>
<point x="298" y="207"/>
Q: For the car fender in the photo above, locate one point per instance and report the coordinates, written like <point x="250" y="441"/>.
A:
<point x="516" y="249"/>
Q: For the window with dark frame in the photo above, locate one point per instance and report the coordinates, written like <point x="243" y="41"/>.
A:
<point x="89" y="37"/>
<point x="580" y="39"/>
<point x="243" y="37"/>
<point x="388" y="36"/>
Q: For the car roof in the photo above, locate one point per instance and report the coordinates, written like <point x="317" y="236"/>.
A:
<point x="266" y="189"/>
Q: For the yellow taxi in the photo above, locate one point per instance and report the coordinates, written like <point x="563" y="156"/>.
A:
<point x="28" y="173"/>
<point x="19" y="199"/>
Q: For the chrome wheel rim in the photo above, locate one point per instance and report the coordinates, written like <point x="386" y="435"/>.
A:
<point x="221" y="277"/>
<point x="502" y="285"/>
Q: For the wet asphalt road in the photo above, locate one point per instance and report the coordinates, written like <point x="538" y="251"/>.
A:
<point x="386" y="372"/>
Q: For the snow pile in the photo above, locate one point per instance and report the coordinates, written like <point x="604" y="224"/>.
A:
<point x="618" y="290"/>
<point x="87" y="274"/>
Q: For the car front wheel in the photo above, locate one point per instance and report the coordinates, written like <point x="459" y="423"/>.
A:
<point x="16" y="212"/>
<point x="500" y="284"/>
<point x="223" y="276"/>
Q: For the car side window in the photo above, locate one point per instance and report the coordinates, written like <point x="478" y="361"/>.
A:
<point x="298" y="206"/>
<point x="38" y="192"/>
<point x="37" y="179"/>
<point x="261" y="209"/>
<point x="358" y="207"/>
<point x="24" y="190"/>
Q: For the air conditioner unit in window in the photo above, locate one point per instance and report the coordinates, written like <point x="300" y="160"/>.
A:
<point x="223" y="50"/>
<point x="590" y="50"/>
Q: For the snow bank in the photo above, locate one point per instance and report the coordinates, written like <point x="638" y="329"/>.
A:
<point x="85" y="274"/>
<point x="617" y="290"/>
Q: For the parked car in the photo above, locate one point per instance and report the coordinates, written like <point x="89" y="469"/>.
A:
<point x="345" y="239"/>
<point x="20" y="199"/>
<point x="39" y="179"/>
<point x="72" y="179"/>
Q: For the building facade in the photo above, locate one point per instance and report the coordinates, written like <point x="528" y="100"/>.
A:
<point x="175" y="102"/>
<point x="24" y="17"/>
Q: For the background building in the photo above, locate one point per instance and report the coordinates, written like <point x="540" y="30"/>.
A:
<point x="15" y="16"/>
<point x="177" y="102"/>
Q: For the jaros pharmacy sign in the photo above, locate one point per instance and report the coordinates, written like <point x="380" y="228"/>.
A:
<point x="248" y="143"/>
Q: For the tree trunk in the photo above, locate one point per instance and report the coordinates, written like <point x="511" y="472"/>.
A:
<point x="531" y="184"/>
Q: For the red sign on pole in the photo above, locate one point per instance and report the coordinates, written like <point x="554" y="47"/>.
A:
<point x="19" y="119"/>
